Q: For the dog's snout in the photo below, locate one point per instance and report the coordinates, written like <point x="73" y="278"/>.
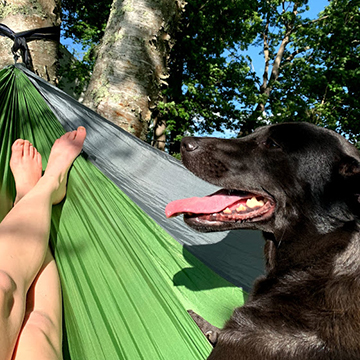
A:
<point x="189" y="144"/>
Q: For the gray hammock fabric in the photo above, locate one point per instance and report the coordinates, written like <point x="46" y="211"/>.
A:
<point x="152" y="179"/>
<point x="127" y="277"/>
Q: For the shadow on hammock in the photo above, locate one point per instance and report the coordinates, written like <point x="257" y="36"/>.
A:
<point x="238" y="268"/>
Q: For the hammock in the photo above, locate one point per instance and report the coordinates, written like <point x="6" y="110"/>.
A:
<point x="127" y="275"/>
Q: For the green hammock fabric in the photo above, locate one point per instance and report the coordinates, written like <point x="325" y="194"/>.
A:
<point x="117" y="266"/>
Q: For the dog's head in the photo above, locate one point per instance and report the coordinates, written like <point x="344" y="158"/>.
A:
<point x="281" y="175"/>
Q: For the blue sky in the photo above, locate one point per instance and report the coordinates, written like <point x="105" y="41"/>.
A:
<point x="316" y="6"/>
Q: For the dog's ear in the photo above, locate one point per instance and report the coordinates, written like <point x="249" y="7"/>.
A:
<point x="350" y="171"/>
<point x="350" y="167"/>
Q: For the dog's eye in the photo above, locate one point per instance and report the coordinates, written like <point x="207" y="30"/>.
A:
<point x="271" y="144"/>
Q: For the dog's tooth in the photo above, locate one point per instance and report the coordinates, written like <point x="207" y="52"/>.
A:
<point x="253" y="202"/>
<point x="241" y="208"/>
<point x="227" y="211"/>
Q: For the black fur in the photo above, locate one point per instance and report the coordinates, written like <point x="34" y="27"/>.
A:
<point x="307" y="307"/>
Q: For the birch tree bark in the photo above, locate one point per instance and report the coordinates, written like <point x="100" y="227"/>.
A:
<point x="23" y="15"/>
<point x="131" y="66"/>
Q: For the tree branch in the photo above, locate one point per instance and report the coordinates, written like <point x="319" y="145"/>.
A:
<point x="279" y="56"/>
<point x="311" y="22"/>
<point x="266" y="86"/>
<point x="297" y="52"/>
<point x="266" y="56"/>
<point x="325" y="95"/>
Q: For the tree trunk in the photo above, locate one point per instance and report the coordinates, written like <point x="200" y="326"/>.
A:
<point x="23" y="15"/>
<point x="131" y="66"/>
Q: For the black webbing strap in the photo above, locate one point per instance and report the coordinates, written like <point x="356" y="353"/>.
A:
<point x="22" y="38"/>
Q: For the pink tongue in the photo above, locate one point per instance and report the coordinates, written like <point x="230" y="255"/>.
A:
<point x="206" y="205"/>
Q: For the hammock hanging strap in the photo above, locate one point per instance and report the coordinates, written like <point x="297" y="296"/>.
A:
<point x="22" y="38"/>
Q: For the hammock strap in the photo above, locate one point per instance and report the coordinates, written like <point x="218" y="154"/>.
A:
<point x="22" y="38"/>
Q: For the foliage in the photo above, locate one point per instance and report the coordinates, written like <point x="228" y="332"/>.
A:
<point x="210" y="77"/>
<point x="84" y="21"/>
<point x="313" y="79"/>
<point x="311" y="66"/>
<point x="321" y="85"/>
<point x="78" y="72"/>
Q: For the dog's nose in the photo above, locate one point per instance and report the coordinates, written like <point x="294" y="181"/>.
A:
<point x="189" y="144"/>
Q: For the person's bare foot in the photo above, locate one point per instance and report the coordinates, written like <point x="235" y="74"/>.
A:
<point x="62" y="155"/>
<point x="25" y="164"/>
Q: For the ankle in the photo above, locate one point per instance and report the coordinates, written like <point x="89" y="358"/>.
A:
<point x="49" y="183"/>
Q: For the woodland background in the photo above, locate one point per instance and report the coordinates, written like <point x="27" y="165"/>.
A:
<point x="162" y="69"/>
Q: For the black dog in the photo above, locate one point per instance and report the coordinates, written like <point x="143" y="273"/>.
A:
<point x="300" y="185"/>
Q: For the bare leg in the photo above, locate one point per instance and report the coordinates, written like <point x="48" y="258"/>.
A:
<point x="41" y="334"/>
<point x="24" y="237"/>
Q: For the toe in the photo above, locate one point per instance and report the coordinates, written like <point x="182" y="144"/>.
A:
<point x="72" y="135"/>
<point x="32" y="151"/>
<point x="38" y="158"/>
<point x="69" y="135"/>
<point x="18" y="145"/>
<point x="26" y="148"/>
<point x="80" y="133"/>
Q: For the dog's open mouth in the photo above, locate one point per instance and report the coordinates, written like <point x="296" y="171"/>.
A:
<point x="224" y="206"/>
